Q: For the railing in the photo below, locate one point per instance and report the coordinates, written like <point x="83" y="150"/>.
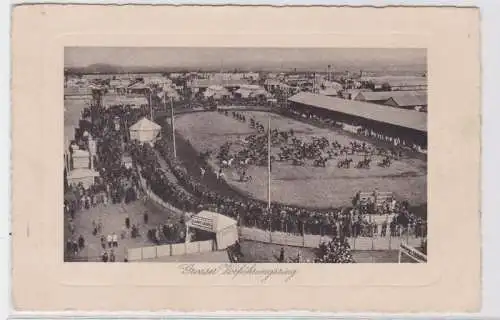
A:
<point x="155" y="198"/>
<point x="387" y="242"/>
<point x="169" y="250"/>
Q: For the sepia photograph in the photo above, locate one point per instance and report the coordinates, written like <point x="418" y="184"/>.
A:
<point x="245" y="155"/>
<point x="225" y="166"/>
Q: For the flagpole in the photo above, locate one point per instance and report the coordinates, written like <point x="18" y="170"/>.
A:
<point x="269" y="163"/>
<point x="151" y="104"/>
<point x="173" y="125"/>
<point x="269" y="176"/>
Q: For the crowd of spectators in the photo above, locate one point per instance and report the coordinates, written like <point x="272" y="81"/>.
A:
<point x="396" y="142"/>
<point x="189" y="194"/>
<point x="335" y="251"/>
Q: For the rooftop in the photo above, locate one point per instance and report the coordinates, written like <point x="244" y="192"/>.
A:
<point x="386" y="95"/>
<point x="408" y="100"/>
<point x="399" y="117"/>
<point x="203" y="83"/>
<point x="116" y="100"/>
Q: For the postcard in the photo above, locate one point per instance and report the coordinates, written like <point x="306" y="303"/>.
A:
<point x="200" y="158"/>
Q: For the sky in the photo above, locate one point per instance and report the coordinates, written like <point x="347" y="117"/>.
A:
<point x="249" y="58"/>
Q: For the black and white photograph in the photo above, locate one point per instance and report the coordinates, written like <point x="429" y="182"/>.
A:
<point x="245" y="155"/>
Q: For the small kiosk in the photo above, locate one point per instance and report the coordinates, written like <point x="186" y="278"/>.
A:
<point x="211" y="225"/>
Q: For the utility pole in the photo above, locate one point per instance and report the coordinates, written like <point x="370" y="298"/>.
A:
<point x="173" y="125"/>
<point x="151" y="105"/>
<point x="269" y="163"/>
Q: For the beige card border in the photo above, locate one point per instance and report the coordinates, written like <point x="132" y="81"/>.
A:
<point x="450" y="281"/>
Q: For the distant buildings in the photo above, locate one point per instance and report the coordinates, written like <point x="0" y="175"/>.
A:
<point x="205" y="83"/>
<point x="417" y="102"/>
<point x="330" y="92"/>
<point x="399" y="99"/>
<point x="395" y="83"/>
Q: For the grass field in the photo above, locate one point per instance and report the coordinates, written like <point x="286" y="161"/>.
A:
<point x="303" y="185"/>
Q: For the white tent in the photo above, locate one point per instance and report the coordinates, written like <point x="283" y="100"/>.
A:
<point x="85" y="176"/>
<point x="225" y="228"/>
<point x="144" y="130"/>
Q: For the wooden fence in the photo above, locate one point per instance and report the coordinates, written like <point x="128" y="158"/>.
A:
<point x="168" y="250"/>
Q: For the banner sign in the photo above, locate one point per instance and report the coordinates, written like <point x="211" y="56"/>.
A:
<point x="413" y="253"/>
<point x="202" y="223"/>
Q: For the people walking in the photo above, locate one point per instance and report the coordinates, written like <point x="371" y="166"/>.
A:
<point x="105" y="256"/>
<point x="114" y="237"/>
<point x="110" y="240"/>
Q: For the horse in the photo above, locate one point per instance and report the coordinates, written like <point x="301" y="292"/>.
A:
<point x="386" y="162"/>
<point x="345" y="163"/>
<point x="364" y="164"/>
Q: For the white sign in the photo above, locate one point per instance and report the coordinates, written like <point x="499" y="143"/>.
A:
<point x="202" y="223"/>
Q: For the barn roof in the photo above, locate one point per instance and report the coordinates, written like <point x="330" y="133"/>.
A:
<point x="386" y="95"/>
<point x="379" y="95"/>
<point x="407" y="100"/>
<point x="399" y="117"/>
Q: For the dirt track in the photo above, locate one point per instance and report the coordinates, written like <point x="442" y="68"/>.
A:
<point x="302" y="185"/>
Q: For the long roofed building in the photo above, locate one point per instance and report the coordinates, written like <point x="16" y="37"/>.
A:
<point x="407" y="124"/>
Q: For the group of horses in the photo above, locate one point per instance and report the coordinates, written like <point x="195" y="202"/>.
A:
<point x="253" y="150"/>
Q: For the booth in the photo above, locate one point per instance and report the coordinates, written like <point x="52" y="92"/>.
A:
<point x="224" y="228"/>
<point x="144" y="130"/>
<point x="84" y="176"/>
<point x="81" y="159"/>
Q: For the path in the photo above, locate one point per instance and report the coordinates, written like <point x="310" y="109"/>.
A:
<point x="113" y="220"/>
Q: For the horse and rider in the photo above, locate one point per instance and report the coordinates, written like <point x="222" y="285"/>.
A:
<point x="344" y="163"/>
<point x="364" y="164"/>
<point x="386" y="162"/>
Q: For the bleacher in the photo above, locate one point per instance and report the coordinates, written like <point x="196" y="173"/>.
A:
<point x="379" y="197"/>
